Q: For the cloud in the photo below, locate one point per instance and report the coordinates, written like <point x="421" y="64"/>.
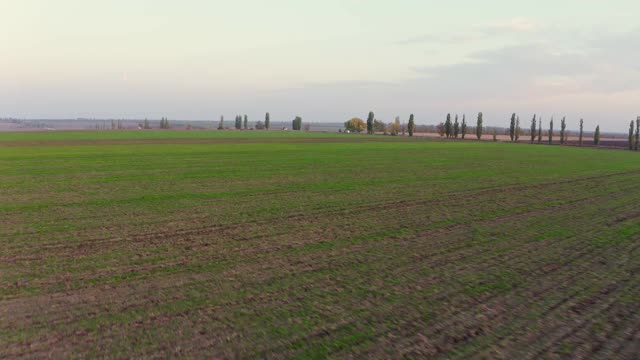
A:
<point x="440" y="38"/>
<point x="540" y="75"/>
<point x="515" y="25"/>
<point x="508" y="27"/>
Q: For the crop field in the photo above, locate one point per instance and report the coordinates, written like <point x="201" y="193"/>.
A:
<point x="281" y="245"/>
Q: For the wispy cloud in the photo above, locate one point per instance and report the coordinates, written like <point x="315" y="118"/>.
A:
<point x="514" y="25"/>
<point x="588" y="78"/>
<point x="440" y="38"/>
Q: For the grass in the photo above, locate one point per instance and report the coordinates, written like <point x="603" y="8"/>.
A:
<point x="154" y="134"/>
<point x="313" y="245"/>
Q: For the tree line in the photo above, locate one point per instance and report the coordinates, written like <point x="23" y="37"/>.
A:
<point x="452" y="129"/>
<point x="242" y="123"/>
<point x="455" y="128"/>
<point x="535" y="131"/>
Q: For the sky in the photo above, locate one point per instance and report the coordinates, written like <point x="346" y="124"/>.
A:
<point x="326" y="61"/>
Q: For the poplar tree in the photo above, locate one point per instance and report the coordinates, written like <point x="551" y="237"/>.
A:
<point x="540" y="130"/>
<point x="563" y="127"/>
<point x="221" y="124"/>
<point x="479" y="126"/>
<point x="411" y="126"/>
<point x="463" y="127"/>
<point x="267" y="121"/>
<point x="551" y="131"/>
<point x="534" y="122"/>
<point x="518" y="130"/>
<point x="456" y="128"/>
<point x="631" y="135"/>
<point x="370" y="119"/>
<point x="596" y="136"/>
<point x="447" y="126"/>
<point x="637" y="132"/>
<point x="246" y="120"/>
<point x="512" y="127"/>
<point x="581" y="132"/>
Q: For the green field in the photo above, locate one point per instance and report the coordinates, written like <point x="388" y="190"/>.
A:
<point x="282" y="245"/>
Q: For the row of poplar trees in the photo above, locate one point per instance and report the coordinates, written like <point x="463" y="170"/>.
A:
<point x="455" y="128"/>
<point x="536" y="130"/>
<point x="239" y="122"/>
<point x="243" y="122"/>
<point x="164" y="123"/>
<point x="451" y="129"/>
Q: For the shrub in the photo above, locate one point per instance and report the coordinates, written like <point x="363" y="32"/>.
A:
<point x="394" y="127"/>
<point x="355" y="125"/>
<point x="378" y="126"/>
<point x="296" y="124"/>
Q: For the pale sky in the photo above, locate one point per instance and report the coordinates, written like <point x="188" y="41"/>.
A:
<point x="323" y="60"/>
